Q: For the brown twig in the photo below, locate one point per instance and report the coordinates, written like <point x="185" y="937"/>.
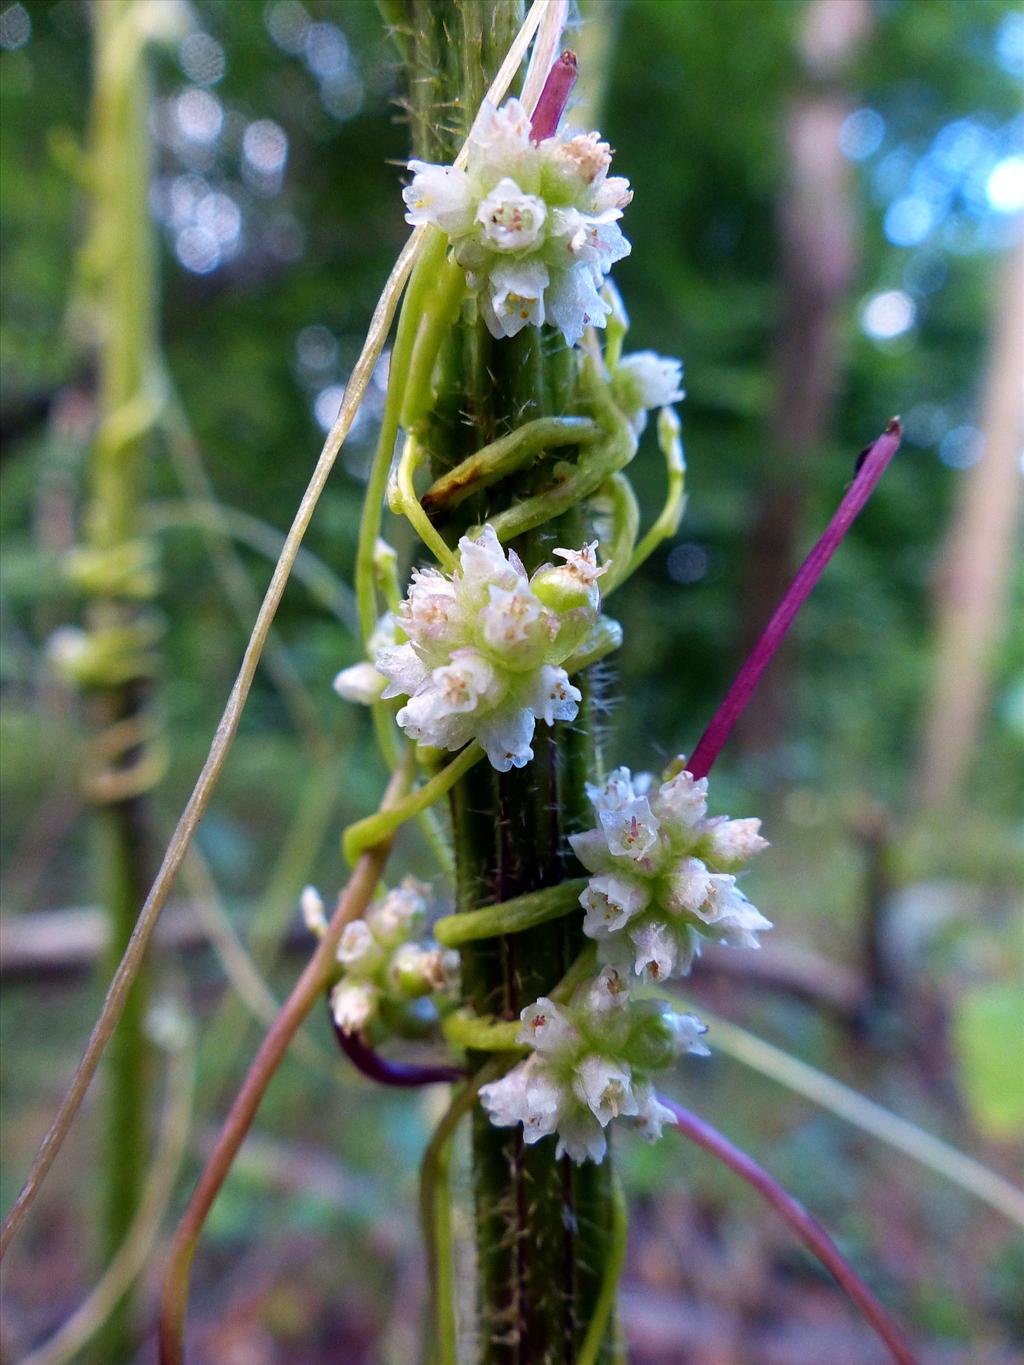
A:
<point x="807" y="1228"/>
<point x="310" y="985"/>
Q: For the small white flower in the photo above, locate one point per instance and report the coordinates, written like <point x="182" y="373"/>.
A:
<point x="731" y="843"/>
<point x="509" y="219"/>
<point x="514" y="623"/>
<point x="617" y="790"/>
<point x="440" y="195"/>
<point x="631" y="830"/>
<point x="690" y="1032"/>
<point x="515" y="297"/>
<point x="643" y="380"/>
<point x="505" y="734"/>
<point x="730" y="917"/>
<point x="553" y="696"/>
<point x="528" y="1095"/>
<point x="357" y="948"/>
<point x="611" y="901"/>
<point x="545" y="1028"/>
<point x="312" y="906"/>
<point x="651" y="1115"/>
<point x="656" y="949"/>
<point x="682" y="801"/>
<point x="360" y="683"/>
<point x="400" y="913"/>
<point x="353" y="1004"/>
<point x="606" y="995"/>
<point x="606" y="1088"/>
<point x="687" y="886"/>
<point x="581" y="1138"/>
<point x="572" y="301"/>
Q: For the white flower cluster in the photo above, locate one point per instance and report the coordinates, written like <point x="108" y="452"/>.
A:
<point x="590" y="1063"/>
<point x="533" y="224"/>
<point x="663" y="873"/>
<point x="484" y="648"/>
<point x="384" y="960"/>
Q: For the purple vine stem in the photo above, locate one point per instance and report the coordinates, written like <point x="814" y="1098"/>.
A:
<point x="384" y="1072"/>
<point x="807" y="1228"/>
<point x="870" y="468"/>
<point x="554" y="97"/>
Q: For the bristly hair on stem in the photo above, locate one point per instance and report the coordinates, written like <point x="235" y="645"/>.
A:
<point x="871" y="465"/>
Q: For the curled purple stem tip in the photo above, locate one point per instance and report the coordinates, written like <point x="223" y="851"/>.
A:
<point x="554" y="97"/>
<point x="807" y="1228"/>
<point x="870" y="468"/>
<point x="385" y="1072"/>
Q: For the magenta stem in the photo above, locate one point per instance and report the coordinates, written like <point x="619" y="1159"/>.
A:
<point x="554" y="97"/>
<point x="807" y="1228"/>
<point x="873" y="465"/>
<point x="384" y="1072"/>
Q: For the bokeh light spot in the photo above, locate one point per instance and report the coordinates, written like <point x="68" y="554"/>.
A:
<point x="1010" y="43"/>
<point x="861" y="134"/>
<point x="316" y="349"/>
<point x="909" y="220"/>
<point x="326" y="50"/>
<point x="15" y="28"/>
<point x="202" y="58"/>
<point x="219" y="215"/>
<point x="198" y="250"/>
<point x="962" y="447"/>
<point x="287" y="23"/>
<point x="687" y="563"/>
<point x="199" y="115"/>
<point x="888" y="314"/>
<point x="265" y="146"/>
<point x="327" y="405"/>
<point x="1004" y="188"/>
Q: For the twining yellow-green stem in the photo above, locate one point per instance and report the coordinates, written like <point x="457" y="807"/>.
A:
<point x="114" y="571"/>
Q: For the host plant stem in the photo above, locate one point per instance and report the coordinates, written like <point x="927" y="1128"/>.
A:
<point x="541" y="1224"/>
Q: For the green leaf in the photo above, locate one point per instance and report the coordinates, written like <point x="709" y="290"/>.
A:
<point x="988" y="1034"/>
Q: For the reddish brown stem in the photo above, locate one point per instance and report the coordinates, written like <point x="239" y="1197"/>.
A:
<point x="309" y="987"/>
<point x="807" y="1228"/>
<point x="870" y="467"/>
<point x="385" y="1072"/>
<point x="554" y="97"/>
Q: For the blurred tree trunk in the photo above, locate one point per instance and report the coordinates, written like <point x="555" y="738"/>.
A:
<point x="973" y="583"/>
<point x="817" y="244"/>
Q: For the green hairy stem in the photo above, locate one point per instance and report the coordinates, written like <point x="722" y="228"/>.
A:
<point x="492" y="426"/>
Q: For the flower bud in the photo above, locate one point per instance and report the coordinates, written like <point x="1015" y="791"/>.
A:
<point x="565" y="587"/>
<point x="358" y="950"/>
<point x="311" y="904"/>
<point x="659" y="1036"/>
<point x="353" y="1005"/>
